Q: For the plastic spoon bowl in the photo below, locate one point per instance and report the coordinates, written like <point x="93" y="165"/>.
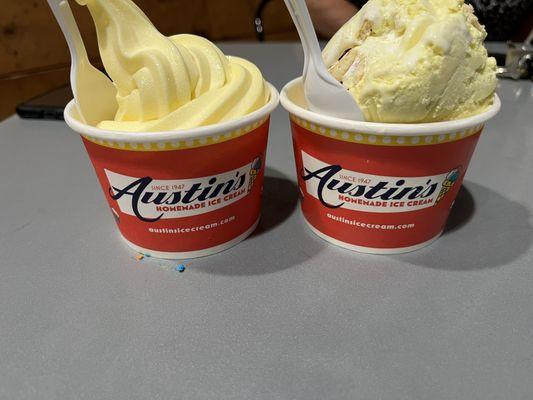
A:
<point x="324" y="94"/>
<point x="94" y="93"/>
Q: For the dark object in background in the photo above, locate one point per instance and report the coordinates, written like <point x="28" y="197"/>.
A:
<point x="258" y="20"/>
<point x="46" y="106"/>
<point x="518" y="62"/>
<point x="503" y="18"/>
<point x="500" y="58"/>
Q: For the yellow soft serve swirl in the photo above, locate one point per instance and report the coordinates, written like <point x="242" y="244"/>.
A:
<point x="179" y="82"/>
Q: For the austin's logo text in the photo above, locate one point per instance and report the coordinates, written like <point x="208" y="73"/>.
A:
<point x="336" y="187"/>
<point x="151" y="199"/>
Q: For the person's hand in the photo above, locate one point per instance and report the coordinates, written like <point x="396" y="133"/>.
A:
<point x="329" y="15"/>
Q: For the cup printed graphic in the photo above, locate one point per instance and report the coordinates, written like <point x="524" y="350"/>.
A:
<point x="448" y="184"/>
<point x="151" y="200"/>
<point x="255" y="168"/>
<point x="336" y="187"/>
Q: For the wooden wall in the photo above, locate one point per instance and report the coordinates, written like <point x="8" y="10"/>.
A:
<point x="34" y="56"/>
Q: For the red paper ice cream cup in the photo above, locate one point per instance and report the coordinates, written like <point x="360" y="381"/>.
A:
<point x="379" y="188"/>
<point x="182" y="194"/>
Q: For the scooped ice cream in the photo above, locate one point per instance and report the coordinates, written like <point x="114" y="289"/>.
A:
<point x="173" y="83"/>
<point x="413" y="61"/>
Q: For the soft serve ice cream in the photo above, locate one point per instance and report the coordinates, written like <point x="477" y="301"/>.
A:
<point x="413" y="61"/>
<point x="181" y="153"/>
<point x="179" y="82"/>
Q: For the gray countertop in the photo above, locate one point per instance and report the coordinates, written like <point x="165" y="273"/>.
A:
<point x="283" y="315"/>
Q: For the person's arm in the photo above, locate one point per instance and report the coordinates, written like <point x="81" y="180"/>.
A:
<point x="329" y="15"/>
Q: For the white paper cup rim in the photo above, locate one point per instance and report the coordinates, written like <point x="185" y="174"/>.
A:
<point x="185" y="134"/>
<point x="382" y="129"/>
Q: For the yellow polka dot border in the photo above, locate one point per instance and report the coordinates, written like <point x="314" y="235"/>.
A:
<point x="177" y="144"/>
<point x="380" y="140"/>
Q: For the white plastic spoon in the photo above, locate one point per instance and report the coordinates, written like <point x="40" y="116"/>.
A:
<point x="94" y="93"/>
<point x="323" y="92"/>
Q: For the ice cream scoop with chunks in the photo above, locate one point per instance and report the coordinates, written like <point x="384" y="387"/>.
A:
<point x="163" y="83"/>
<point x="414" y="61"/>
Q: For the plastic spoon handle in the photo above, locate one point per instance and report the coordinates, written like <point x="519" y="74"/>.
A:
<point x="309" y="38"/>
<point x="324" y="94"/>
<point x="70" y="30"/>
<point x="293" y="11"/>
<point x="94" y="93"/>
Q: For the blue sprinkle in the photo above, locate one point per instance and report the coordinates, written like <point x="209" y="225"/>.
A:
<point x="180" y="268"/>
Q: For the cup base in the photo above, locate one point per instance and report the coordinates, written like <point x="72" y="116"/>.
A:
<point x="370" y="250"/>
<point x="192" y="254"/>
